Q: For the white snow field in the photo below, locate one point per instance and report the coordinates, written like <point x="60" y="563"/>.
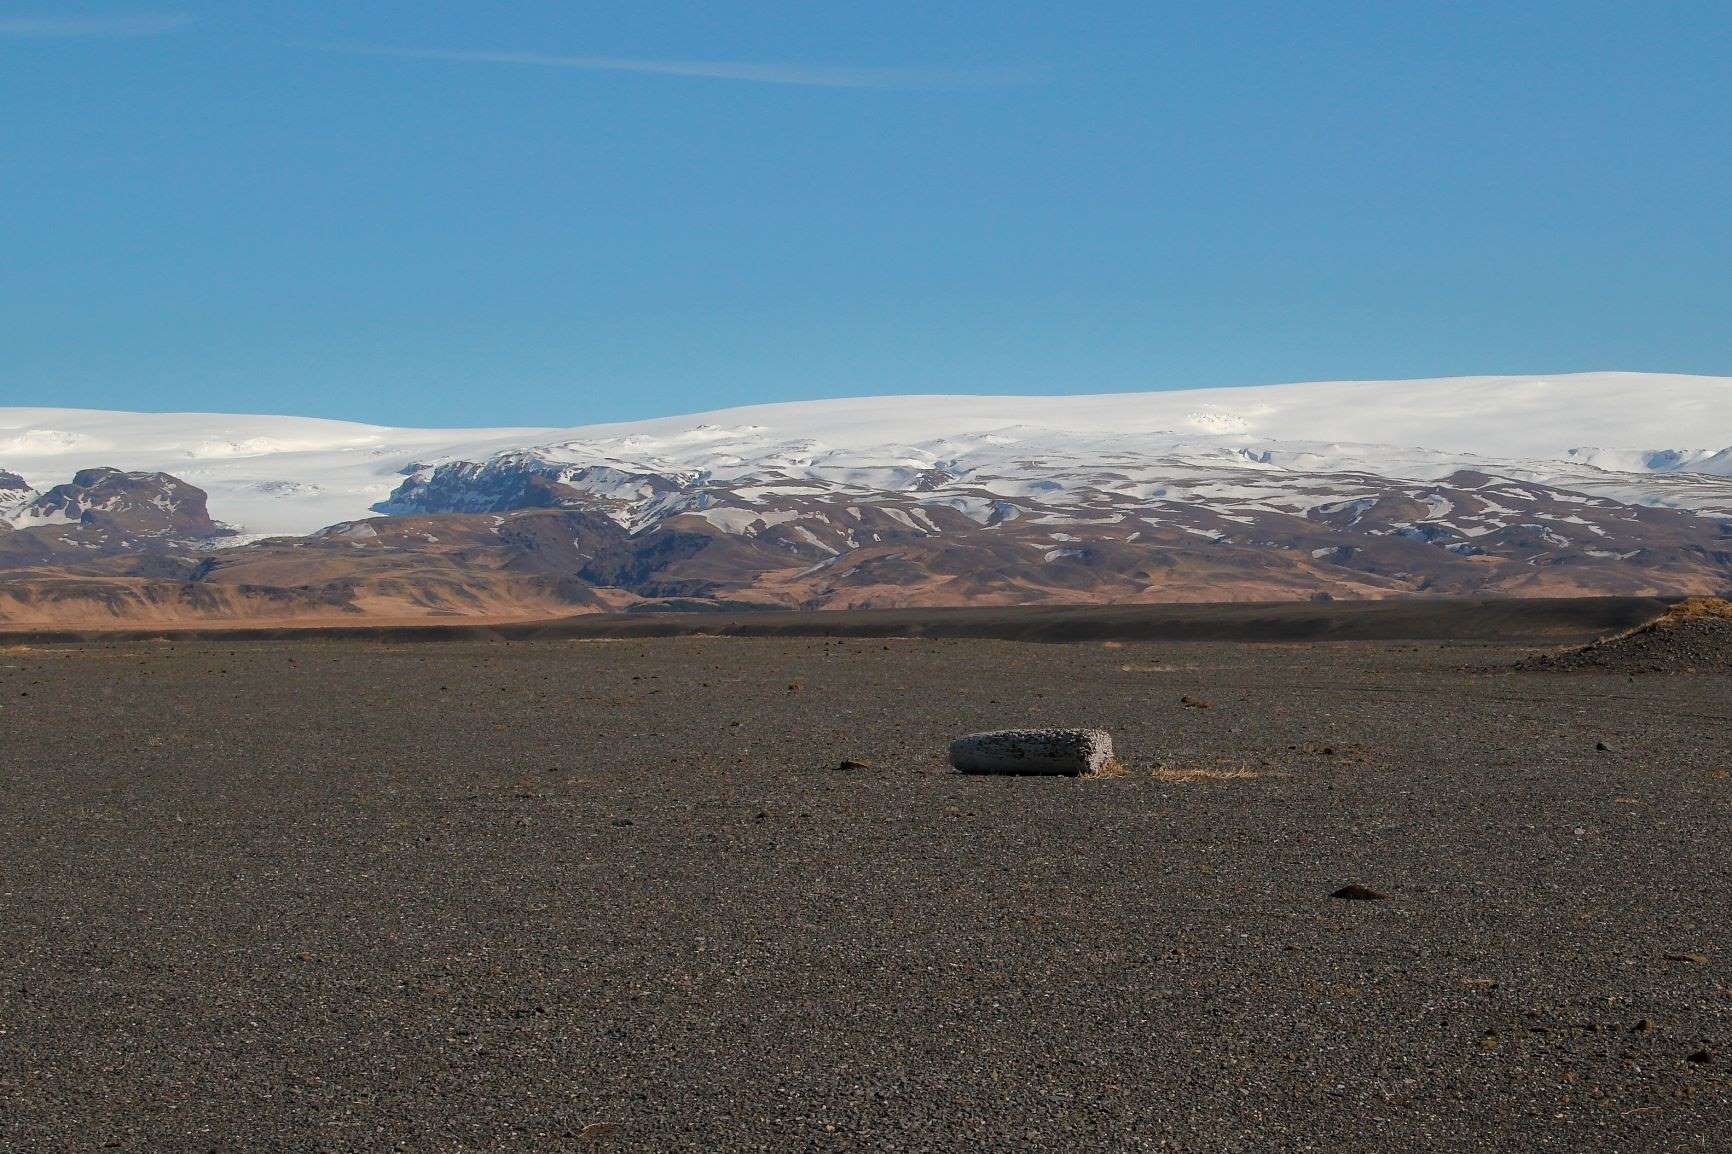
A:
<point x="1646" y="438"/>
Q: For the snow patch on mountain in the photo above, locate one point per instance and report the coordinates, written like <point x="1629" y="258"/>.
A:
<point x="1704" y="461"/>
<point x="1296" y="448"/>
<point x="15" y="495"/>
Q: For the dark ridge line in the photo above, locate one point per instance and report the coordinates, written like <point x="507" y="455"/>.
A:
<point x="1520" y="621"/>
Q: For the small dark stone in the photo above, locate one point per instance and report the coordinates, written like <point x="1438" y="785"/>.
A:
<point x="1196" y="702"/>
<point x="1602" y="747"/>
<point x="1701" y="1057"/>
<point x="622" y="821"/>
<point x="1359" y="893"/>
<point x="849" y="763"/>
<point x="1642" y="1026"/>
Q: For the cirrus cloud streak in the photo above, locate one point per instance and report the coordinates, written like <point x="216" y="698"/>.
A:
<point x="92" y="27"/>
<point x="804" y="75"/>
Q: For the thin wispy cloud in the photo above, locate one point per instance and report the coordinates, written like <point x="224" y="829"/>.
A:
<point x="804" y="75"/>
<point x="76" y="27"/>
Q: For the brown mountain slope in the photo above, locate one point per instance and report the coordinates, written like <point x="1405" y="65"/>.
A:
<point x="115" y="549"/>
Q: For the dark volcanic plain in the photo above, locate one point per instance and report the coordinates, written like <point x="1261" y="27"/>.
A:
<point x="566" y="894"/>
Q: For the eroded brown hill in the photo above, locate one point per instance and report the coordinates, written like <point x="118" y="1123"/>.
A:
<point x="115" y="548"/>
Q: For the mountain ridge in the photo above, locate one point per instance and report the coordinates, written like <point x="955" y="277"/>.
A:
<point x="862" y="502"/>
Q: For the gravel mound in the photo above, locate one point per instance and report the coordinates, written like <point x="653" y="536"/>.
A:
<point x="1691" y="637"/>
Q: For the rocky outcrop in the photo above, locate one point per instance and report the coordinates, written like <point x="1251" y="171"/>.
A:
<point x="106" y="522"/>
<point x="106" y="513"/>
<point x="137" y="505"/>
<point x="525" y="481"/>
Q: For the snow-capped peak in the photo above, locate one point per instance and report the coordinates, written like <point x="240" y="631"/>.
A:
<point x="1667" y="442"/>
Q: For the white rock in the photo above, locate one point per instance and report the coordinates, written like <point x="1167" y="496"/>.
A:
<point x="1064" y="752"/>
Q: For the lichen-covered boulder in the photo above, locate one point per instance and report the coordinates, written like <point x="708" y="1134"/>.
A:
<point x="1058" y="752"/>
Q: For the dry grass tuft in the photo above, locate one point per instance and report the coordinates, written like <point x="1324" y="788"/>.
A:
<point x="1181" y="774"/>
<point x="1700" y="607"/>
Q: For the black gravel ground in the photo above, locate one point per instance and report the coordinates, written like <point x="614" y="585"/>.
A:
<point x="569" y="895"/>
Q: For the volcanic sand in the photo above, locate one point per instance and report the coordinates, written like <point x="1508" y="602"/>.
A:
<point x="560" y="895"/>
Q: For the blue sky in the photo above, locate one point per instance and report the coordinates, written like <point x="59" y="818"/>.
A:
<point x="550" y="213"/>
